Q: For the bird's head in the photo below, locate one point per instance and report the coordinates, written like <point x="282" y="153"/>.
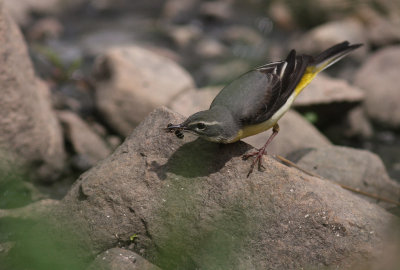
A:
<point x="216" y="124"/>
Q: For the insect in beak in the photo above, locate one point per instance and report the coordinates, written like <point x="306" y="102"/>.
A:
<point x="179" y="134"/>
<point x="177" y="129"/>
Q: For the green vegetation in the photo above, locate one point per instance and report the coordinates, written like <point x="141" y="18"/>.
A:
<point x="311" y="117"/>
<point x="40" y="244"/>
<point x="133" y="237"/>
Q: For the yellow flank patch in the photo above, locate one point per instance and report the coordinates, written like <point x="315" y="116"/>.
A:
<point x="252" y="130"/>
<point x="306" y="79"/>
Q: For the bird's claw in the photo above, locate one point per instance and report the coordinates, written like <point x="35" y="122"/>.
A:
<point x="251" y="170"/>
<point x="259" y="154"/>
<point x="246" y="156"/>
<point x="261" y="167"/>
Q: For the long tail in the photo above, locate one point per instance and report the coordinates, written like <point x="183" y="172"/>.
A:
<point x="332" y="55"/>
<point x="322" y="61"/>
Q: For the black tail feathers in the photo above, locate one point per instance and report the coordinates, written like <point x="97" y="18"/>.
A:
<point x="334" y="54"/>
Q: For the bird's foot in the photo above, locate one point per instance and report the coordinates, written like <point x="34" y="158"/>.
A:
<point x="259" y="154"/>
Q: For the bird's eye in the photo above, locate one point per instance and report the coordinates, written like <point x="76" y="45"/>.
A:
<point x="201" y="126"/>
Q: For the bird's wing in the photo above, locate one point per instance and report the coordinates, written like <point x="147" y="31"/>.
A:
<point x="296" y="68"/>
<point x="252" y="94"/>
<point x="258" y="94"/>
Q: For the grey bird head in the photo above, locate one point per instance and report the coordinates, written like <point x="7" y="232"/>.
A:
<point x="216" y="124"/>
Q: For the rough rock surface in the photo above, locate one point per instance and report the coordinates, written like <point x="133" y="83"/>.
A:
<point x="28" y="127"/>
<point x="326" y="90"/>
<point x="296" y="132"/>
<point x="191" y="206"/>
<point x="132" y="81"/>
<point x="121" y="259"/>
<point x="83" y="139"/>
<point x="358" y="169"/>
<point x="379" y="78"/>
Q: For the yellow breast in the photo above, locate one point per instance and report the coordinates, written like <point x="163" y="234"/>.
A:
<point x="252" y="130"/>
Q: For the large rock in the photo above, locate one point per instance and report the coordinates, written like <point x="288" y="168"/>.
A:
<point x="379" y="78"/>
<point x="121" y="259"/>
<point x="28" y="127"/>
<point x="326" y="35"/>
<point x="358" y="169"/>
<point x="132" y="81"/>
<point x="191" y="207"/>
<point x="325" y="90"/>
<point x="88" y="145"/>
<point x="296" y="132"/>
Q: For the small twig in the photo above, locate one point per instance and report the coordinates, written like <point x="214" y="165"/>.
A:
<point x="290" y="163"/>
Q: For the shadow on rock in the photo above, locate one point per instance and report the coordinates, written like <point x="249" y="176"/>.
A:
<point x="199" y="158"/>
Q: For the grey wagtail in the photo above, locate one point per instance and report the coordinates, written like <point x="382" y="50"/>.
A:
<point x="256" y="100"/>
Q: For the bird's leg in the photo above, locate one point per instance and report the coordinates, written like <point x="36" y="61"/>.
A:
<point x="261" y="151"/>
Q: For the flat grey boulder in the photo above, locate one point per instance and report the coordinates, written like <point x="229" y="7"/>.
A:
<point x="359" y="169"/>
<point x="191" y="206"/>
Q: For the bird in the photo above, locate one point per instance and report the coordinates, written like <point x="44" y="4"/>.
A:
<point x="256" y="100"/>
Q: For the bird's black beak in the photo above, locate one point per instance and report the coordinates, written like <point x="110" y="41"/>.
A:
<point x="172" y="128"/>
